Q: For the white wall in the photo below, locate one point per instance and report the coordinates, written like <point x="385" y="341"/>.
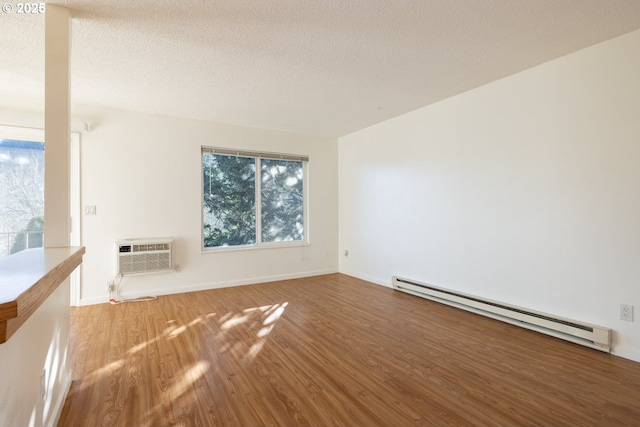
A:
<point x="524" y="190"/>
<point x="143" y="174"/>
<point x="41" y="343"/>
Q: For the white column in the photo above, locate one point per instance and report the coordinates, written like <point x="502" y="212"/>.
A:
<point x="57" y="49"/>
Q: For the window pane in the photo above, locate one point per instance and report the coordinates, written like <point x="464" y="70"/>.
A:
<point x="21" y="195"/>
<point x="282" y="200"/>
<point x="229" y="208"/>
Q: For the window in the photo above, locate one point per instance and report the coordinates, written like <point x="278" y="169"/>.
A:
<point x="21" y="195"/>
<point x="252" y="199"/>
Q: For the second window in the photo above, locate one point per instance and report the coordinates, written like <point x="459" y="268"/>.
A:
<point x="252" y="199"/>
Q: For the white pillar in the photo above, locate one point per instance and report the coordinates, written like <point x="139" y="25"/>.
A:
<point x="57" y="49"/>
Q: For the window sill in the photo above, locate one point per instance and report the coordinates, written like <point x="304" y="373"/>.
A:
<point x="264" y="246"/>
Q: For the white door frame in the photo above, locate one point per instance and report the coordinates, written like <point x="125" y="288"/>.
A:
<point x="75" y="237"/>
<point x="75" y="225"/>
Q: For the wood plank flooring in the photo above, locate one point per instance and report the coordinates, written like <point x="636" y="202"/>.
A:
<point x="331" y="351"/>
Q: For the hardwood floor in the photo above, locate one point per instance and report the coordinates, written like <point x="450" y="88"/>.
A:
<point x="331" y="351"/>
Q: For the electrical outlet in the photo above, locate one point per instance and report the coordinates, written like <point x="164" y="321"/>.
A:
<point x="626" y="312"/>
<point x="111" y="286"/>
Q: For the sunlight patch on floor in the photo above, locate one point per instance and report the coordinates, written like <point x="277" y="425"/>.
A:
<point x="256" y="321"/>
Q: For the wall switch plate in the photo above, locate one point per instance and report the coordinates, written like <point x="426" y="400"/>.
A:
<point x="90" y="210"/>
<point x="626" y="312"/>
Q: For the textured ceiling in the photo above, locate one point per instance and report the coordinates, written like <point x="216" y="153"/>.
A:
<point x="321" y="67"/>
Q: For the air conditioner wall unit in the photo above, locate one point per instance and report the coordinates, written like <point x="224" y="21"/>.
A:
<point x="136" y="256"/>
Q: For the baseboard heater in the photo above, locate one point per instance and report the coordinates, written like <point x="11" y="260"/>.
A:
<point x="571" y="330"/>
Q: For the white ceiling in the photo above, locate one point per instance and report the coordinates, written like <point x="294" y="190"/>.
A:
<point x="320" y="67"/>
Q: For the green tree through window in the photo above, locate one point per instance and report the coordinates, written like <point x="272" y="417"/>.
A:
<point x="21" y="195"/>
<point x="282" y="200"/>
<point x="229" y="200"/>
<point x="242" y="207"/>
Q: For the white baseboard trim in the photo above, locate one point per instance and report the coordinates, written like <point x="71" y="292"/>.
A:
<point x="209" y="286"/>
<point x="93" y="301"/>
<point x="371" y="279"/>
<point x="626" y="354"/>
<point x="620" y="352"/>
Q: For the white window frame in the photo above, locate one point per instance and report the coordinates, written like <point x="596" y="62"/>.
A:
<point x="258" y="194"/>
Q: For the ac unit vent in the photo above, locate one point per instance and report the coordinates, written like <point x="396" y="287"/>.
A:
<point x="136" y="256"/>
